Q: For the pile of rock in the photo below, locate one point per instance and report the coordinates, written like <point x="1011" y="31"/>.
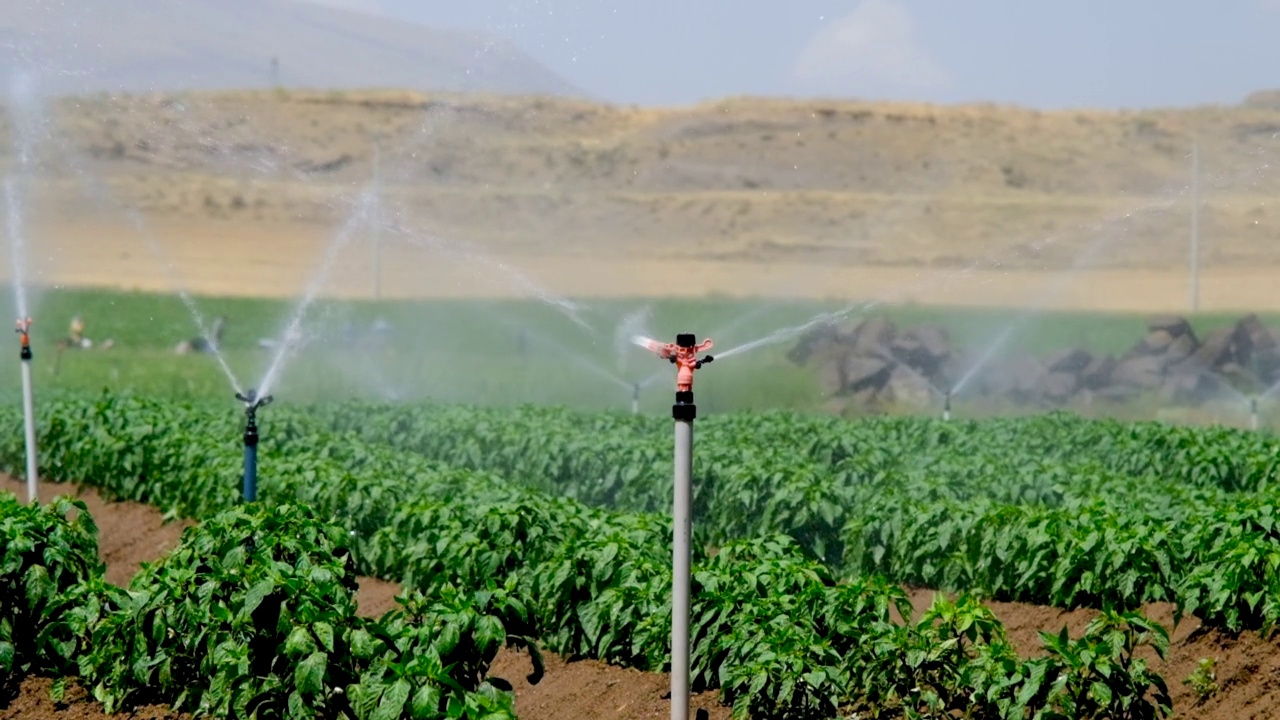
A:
<point x="873" y="362"/>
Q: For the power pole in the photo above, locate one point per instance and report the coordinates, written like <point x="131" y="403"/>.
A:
<point x="377" y="220"/>
<point x="1195" y="225"/>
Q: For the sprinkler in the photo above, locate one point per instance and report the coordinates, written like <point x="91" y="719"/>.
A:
<point x="946" y="407"/>
<point x="251" y="404"/>
<point x="684" y="355"/>
<point x="28" y="409"/>
<point x="1254" y="423"/>
<point x="635" y="398"/>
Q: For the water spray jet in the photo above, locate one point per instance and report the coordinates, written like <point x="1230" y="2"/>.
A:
<point x="252" y="403"/>
<point x="684" y="355"/>
<point x="28" y="406"/>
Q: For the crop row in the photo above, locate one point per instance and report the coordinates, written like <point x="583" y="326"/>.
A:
<point x="1050" y="510"/>
<point x="252" y="615"/>
<point x="772" y="628"/>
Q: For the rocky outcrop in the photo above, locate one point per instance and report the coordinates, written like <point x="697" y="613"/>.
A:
<point x="874" y="362"/>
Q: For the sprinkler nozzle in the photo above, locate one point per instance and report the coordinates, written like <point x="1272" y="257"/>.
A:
<point x="252" y="401"/>
<point x="24" y="335"/>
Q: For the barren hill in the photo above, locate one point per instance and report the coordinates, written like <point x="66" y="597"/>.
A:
<point x="742" y="181"/>
<point x="158" y="45"/>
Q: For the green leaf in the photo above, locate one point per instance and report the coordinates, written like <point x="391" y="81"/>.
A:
<point x="308" y="676"/>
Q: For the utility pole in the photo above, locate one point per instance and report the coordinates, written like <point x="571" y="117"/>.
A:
<point x="1195" y="225"/>
<point x="377" y="220"/>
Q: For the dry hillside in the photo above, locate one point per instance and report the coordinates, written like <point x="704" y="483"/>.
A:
<point x="740" y="182"/>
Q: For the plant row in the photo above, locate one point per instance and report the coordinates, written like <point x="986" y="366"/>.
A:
<point x="1052" y="510"/>
<point x="252" y="615"/>
<point x="773" y="629"/>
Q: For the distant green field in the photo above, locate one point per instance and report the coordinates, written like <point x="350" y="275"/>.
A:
<point x="473" y="351"/>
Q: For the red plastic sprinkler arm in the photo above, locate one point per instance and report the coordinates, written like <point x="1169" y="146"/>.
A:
<point x="685" y="359"/>
<point x="24" y="330"/>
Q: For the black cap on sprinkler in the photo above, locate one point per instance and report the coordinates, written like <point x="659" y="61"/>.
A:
<point x="685" y="340"/>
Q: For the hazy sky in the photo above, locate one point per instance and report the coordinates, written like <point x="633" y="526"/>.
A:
<point x="1031" y="52"/>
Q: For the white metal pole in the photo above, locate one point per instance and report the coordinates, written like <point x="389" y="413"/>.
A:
<point x="946" y="407"/>
<point x="1195" y="226"/>
<point x="29" y="418"/>
<point x="680" y="561"/>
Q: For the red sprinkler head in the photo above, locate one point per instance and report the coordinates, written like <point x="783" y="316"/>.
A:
<point x="24" y="330"/>
<point x="24" y="333"/>
<point x="684" y="355"/>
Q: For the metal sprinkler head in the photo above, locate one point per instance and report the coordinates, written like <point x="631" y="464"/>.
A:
<point x="252" y="402"/>
<point x="24" y="335"/>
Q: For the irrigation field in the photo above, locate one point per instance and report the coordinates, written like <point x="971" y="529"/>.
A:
<point x="515" y="524"/>
<point x="473" y="352"/>
<point x="547" y="526"/>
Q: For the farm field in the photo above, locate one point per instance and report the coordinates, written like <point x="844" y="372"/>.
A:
<point x="560" y="515"/>
<point x="509" y="352"/>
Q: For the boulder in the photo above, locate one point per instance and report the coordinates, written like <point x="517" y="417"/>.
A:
<point x="820" y="337"/>
<point x="908" y="387"/>
<point x="1059" y="386"/>
<point x="861" y="372"/>
<point x="1259" y="335"/>
<point x="1069" y="360"/>
<point x="1097" y="374"/>
<point x="830" y="372"/>
<point x="1139" y="372"/>
<point x="1181" y="348"/>
<point x="1174" y="325"/>
<point x="872" y="336"/>
<point x="1190" y="387"/>
<point x="1155" y="343"/>
<point x="1212" y="353"/>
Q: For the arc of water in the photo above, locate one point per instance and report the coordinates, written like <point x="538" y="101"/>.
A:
<point x="293" y="329"/>
<point x="570" y="309"/>
<point x="1043" y="300"/>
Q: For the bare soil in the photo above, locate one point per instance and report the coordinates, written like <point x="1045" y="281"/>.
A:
<point x="1247" y="666"/>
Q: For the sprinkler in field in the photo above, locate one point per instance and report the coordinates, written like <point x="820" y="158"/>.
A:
<point x="28" y="405"/>
<point x="251" y="404"/>
<point x="684" y="355"/>
<point x="1254" y="422"/>
<point x="635" y="398"/>
<point x="946" y="406"/>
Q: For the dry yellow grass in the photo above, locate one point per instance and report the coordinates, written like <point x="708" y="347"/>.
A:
<point x="750" y="196"/>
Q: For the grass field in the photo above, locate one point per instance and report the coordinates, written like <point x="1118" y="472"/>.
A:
<point x="472" y="351"/>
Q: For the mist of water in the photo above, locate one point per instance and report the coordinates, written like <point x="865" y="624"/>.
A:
<point x="293" y="328"/>
<point x="1055" y="290"/>
<point x="570" y="309"/>
<point x="104" y="201"/>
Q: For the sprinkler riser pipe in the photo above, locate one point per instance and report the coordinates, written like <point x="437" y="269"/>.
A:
<point x="946" y="408"/>
<point x="1254" y="422"/>
<point x="684" y="412"/>
<point x="681" y="584"/>
<point x="635" y="399"/>
<point x="250" y="489"/>
<point x="29" y="426"/>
